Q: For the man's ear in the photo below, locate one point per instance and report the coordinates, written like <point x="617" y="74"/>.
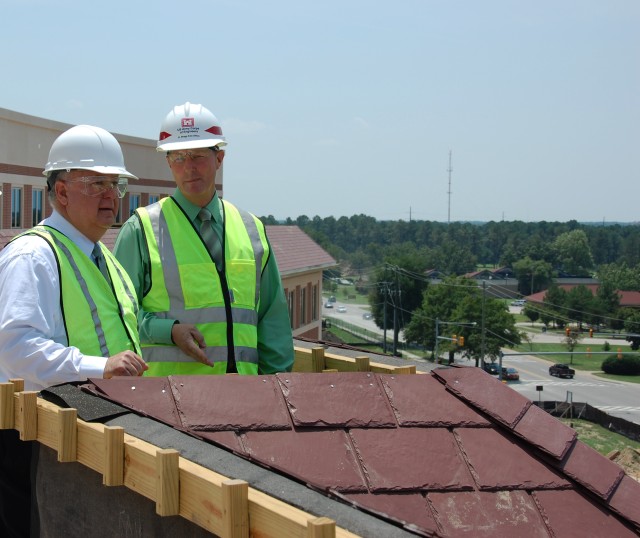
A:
<point x="220" y="156"/>
<point x="60" y="188"/>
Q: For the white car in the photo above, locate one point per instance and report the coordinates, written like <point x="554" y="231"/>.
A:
<point x="342" y="309"/>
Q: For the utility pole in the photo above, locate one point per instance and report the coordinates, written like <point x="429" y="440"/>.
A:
<point x="385" y="292"/>
<point x="384" y="321"/>
<point x="449" y="191"/>
<point x="482" y="331"/>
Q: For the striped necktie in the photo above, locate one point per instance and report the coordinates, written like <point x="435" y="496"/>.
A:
<point x="100" y="261"/>
<point x="209" y="236"/>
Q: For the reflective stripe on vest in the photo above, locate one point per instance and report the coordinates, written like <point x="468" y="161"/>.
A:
<point x="86" y="295"/>
<point x="186" y="285"/>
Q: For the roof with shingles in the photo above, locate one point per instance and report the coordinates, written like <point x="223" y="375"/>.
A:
<point x="451" y="453"/>
<point x="296" y="251"/>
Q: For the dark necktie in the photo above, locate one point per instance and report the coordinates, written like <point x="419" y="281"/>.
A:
<point x="100" y="261"/>
<point x="209" y="236"/>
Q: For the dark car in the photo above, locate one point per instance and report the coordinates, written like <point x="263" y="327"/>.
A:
<point x="491" y="368"/>
<point x="562" y="370"/>
<point x="510" y="374"/>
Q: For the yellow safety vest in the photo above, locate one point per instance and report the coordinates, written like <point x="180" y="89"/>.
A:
<point x="100" y="319"/>
<point x="187" y="286"/>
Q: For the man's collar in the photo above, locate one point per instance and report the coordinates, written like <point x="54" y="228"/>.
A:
<point x="192" y="210"/>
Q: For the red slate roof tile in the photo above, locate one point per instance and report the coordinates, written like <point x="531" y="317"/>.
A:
<point x="319" y="400"/>
<point x="451" y="453"/>
<point x="497" y="462"/>
<point x="495" y="399"/>
<point x="570" y="514"/>
<point x="323" y="459"/>
<point x="411" y="510"/>
<point x="505" y="514"/>
<point x="421" y="401"/>
<point x="545" y="432"/>
<point x="586" y="466"/>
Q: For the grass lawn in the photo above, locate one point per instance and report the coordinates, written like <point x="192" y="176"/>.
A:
<point x="599" y="438"/>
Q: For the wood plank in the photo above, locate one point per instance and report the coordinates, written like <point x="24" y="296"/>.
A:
<point x="235" y="508"/>
<point x="200" y="496"/>
<point x="113" y="470"/>
<point x="67" y="435"/>
<point x="7" y="406"/>
<point x="167" y="482"/>
<point x="28" y="409"/>
<point x="321" y="527"/>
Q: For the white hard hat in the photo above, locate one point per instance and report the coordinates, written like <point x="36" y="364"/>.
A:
<point x="190" y="126"/>
<point x="87" y="148"/>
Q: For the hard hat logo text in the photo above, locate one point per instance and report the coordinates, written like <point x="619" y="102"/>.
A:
<point x="188" y="122"/>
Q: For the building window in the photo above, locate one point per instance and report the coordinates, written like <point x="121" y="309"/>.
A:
<point x="37" y="202"/>
<point x="16" y="207"/>
<point x="134" y="203"/>
<point x="315" y="309"/>
<point x="153" y="198"/>
<point x="303" y="306"/>
<point x="291" y="302"/>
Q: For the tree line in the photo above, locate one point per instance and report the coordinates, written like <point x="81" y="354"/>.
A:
<point x="392" y="257"/>
<point x="541" y="248"/>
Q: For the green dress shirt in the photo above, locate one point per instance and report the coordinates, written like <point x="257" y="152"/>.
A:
<point x="275" y="341"/>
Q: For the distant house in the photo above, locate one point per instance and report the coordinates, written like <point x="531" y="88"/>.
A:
<point x="301" y="262"/>
<point x="628" y="299"/>
<point x="501" y="282"/>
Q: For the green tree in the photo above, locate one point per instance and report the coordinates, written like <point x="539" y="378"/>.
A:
<point x="572" y="253"/>
<point x="580" y="304"/>
<point x="458" y="303"/>
<point x="620" y="276"/>
<point x="554" y="306"/>
<point x="571" y="341"/>
<point x="396" y="292"/>
<point x="632" y="328"/>
<point x="532" y="275"/>
<point x="531" y="312"/>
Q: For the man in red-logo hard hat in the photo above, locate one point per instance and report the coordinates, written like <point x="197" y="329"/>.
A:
<point x="210" y="291"/>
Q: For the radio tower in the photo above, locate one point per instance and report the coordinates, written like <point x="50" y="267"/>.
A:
<point x="449" y="191"/>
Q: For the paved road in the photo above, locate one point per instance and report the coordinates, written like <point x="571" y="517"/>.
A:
<point x="616" y="398"/>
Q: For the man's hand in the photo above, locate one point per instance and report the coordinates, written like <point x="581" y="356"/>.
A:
<point x="190" y="340"/>
<point x="125" y="363"/>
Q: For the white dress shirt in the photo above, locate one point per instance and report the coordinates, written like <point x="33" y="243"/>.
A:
<point x="33" y="341"/>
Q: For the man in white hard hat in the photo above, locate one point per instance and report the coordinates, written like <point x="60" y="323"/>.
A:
<point x="211" y="295"/>
<point x="67" y="308"/>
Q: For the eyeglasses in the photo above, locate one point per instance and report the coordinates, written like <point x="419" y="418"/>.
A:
<point x="98" y="185"/>
<point x="197" y="156"/>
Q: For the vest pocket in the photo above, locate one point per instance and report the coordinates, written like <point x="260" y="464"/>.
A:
<point x="241" y="276"/>
<point x="200" y="285"/>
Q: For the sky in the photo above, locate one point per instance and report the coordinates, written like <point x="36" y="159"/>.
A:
<point x="355" y="107"/>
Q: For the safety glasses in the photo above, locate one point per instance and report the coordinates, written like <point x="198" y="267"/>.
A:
<point x="197" y="156"/>
<point x="98" y="185"/>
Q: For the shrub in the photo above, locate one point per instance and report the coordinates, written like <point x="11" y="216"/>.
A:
<point x="626" y="365"/>
<point x="606" y="346"/>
